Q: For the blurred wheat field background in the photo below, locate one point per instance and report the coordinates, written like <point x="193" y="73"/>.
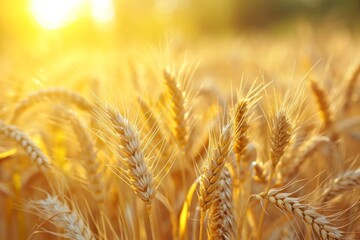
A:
<point x="179" y="119"/>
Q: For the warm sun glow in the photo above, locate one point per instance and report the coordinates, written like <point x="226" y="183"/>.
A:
<point x="53" y="14"/>
<point x="102" y="10"/>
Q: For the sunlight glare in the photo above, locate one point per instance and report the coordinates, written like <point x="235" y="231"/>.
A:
<point x="102" y="10"/>
<point x="54" y="14"/>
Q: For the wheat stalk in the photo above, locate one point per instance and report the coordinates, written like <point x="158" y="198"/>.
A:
<point x="319" y="223"/>
<point x="61" y="216"/>
<point x="35" y="154"/>
<point x="54" y="94"/>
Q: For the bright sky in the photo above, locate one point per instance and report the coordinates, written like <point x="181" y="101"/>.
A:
<point x="54" y="14"/>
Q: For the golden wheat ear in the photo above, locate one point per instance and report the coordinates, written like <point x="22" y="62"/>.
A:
<point x="178" y="108"/>
<point x="240" y="129"/>
<point x="212" y="172"/>
<point x="222" y="223"/>
<point x="280" y="137"/>
<point x="53" y="94"/>
<point x="323" y="104"/>
<point x="58" y="213"/>
<point x="137" y="173"/>
<point x="135" y="168"/>
<point x="23" y="141"/>
<point x="319" y="224"/>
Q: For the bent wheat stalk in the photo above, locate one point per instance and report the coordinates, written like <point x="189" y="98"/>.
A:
<point x="320" y="224"/>
<point x="35" y="154"/>
<point x="61" y="216"/>
<point x="55" y="94"/>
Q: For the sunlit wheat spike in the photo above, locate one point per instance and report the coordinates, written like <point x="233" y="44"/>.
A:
<point x="213" y="168"/>
<point x="281" y="135"/>
<point x="323" y="104"/>
<point x="54" y="94"/>
<point x="178" y="109"/>
<point x="240" y="128"/>
<point x="23" y="141"/>
<point x="88" y="154"/>
<point x="60" y="215"/>
<point x="221" y="218"/>
<point x="140" y="175"/>
<point x="351" y="86"/>
<point x="350" y="180"/>
<point x="320" y="224"/>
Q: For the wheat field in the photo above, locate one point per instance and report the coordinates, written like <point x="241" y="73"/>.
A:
<point x="247" y="137"/>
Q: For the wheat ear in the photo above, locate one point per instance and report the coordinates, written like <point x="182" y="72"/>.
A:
<point x="323" y="104"/>
<point x="55" y="94"/>
<point x="319" y="223"/>
<point x="212" y="172"/>
<point x="35" y="154"/>
<point x="89" y="155"/>
<point x="281" y="134"/>
<point x="221" y="217"/>
<point x="178" y="109"/>
<point x="139" y="173"/>
<point x="61" y="216"/>
<point x="240" y="128"/>
<point x="350" y="180"/>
